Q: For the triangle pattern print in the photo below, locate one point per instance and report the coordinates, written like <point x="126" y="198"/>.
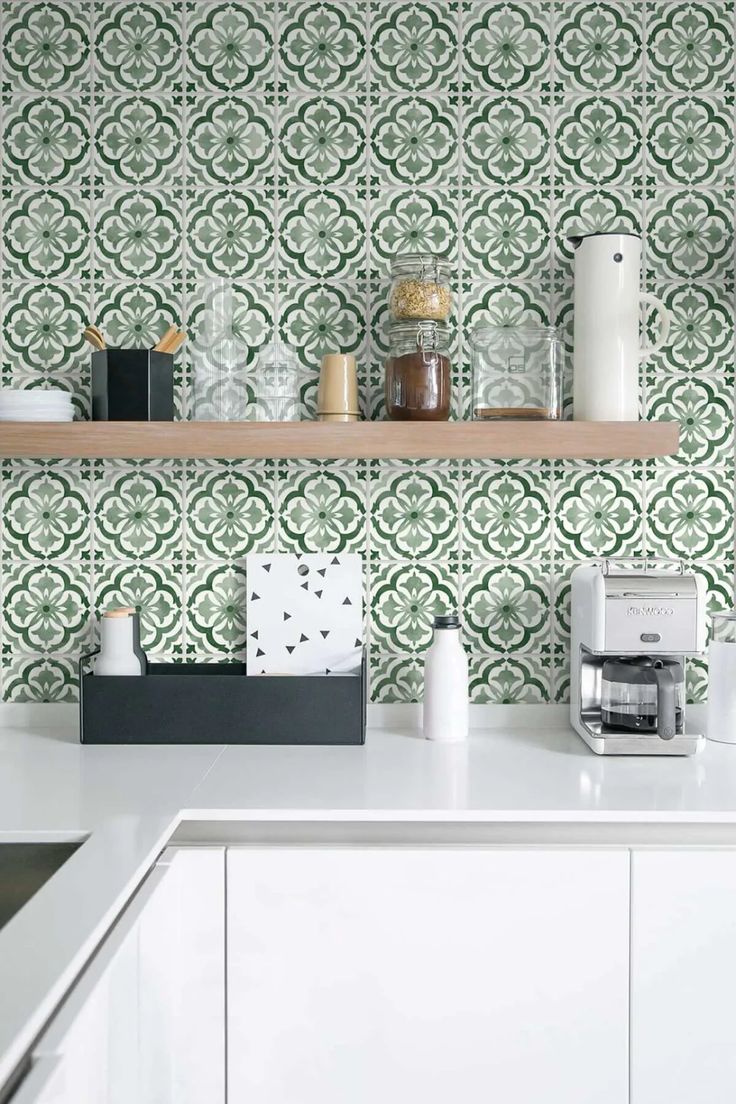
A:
<point x="301" y="629"/>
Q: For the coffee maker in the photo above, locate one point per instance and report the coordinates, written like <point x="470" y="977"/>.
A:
<point x="633" y="624"/>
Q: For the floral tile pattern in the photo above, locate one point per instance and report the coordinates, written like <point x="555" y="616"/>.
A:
<point x="293" y="148"/>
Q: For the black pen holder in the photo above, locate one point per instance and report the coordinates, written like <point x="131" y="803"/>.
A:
<point x="132" y="385"/>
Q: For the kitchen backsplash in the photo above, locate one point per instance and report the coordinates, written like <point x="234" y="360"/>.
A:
<point x="294" y="148"/>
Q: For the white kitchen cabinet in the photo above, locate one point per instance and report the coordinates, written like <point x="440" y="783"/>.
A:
<point x="683" y="977"/>
<point x="146" y="1022"/>
<point x="427" y="974"/>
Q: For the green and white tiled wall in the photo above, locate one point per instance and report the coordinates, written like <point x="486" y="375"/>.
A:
<point x="293" y="148"/>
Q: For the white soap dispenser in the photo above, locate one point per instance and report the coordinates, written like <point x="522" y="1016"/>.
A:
<point x="120" y="644"/>
<point x="446" y="709"/>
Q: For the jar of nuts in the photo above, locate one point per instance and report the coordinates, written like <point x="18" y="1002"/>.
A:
<point x="420" y="288"/>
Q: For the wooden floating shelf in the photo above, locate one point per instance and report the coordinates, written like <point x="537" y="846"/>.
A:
<point x="338" y="441"/>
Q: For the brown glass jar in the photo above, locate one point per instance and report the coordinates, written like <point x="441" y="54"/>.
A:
<point x="418" y="372"/>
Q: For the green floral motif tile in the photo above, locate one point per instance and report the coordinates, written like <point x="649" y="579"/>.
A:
<point x="414" y="141"/>
<point x="230" y="44"/>
<point x="690" y="45"/>
<point x="505" y="607"/>
<point x="323" y="140"/>
<point x="45" y="46"/>
<point x="154" y="590"/>
<point x="141" y="44"/>
<point x="690" y="141"/>
<point x="701" y="331"/>
<point x="322" y="46"/>
<point x="33" y="679"/>
<point x="404" y="601"/>
<point x="42" y="327"/>
<point x="506" y="511"/>
<point x="137" y="511"/>
<point x="690" y="514"/>
<point x="138" y="234"/>
<point x="396" y="679"/>
<point x="598" y="46"/>
<point x="506" y="233"/>
<point x="45" y="606"/>
<point x="322" y="234"/>
<point x="691" y="234"/>
<point x="216" y="600"/>
<point x="45" y="510"/>
<point x="704" y="409"/>
<point x="599" y="141"/>
<point x="321" y="508"/>
<point x="46" y="235"/>
<point x="230" y="234"/>
<point x="413" y="46"/>
<point x="230" y="510"/>
<point x="508" y="142"/>
<point x="511" y="681"/>
<point x="138" y="141"/>
<point x="46" y="140"/>
<point x="229" y="141"/>
<point x="507" y="49"/>
<point x="598" y="512"/>
<point x="412" y="222"/>
<point x="414" y="512"/>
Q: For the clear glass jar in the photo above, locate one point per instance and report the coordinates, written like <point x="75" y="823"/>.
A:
<point x="420" y="288"/>
<point x="418" y="372"/>
<point x="274" y="384"/>
<point x="517" y="372"/>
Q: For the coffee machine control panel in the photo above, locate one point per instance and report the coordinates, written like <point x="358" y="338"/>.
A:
<point x="652" y="614"/>
<point x="630" y="613"/>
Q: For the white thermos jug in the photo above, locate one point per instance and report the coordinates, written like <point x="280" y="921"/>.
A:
<point x="607" y="347"/>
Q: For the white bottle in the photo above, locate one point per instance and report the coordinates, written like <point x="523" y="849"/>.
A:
<point x="606" y="344"/>
<point x="446" y="711"/>
<point x="120" y="650"/>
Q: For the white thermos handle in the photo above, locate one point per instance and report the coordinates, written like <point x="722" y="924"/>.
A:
<point x="665" y="318"/>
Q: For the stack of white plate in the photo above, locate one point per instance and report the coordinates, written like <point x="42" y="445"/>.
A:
<point x="52" y="405"/>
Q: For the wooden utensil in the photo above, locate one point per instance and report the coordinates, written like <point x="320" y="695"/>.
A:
<point x="95" y="338"/>
<point x="176" y="342"/>
<point x="160" y="346"/>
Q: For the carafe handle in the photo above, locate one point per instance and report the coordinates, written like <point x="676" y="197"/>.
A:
<point x="666" y="718"/>
<point x="665" y="320"/>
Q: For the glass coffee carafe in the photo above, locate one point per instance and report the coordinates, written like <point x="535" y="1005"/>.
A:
<point x="641" y="694"/>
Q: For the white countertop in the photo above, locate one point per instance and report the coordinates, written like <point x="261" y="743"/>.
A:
<point x="129" y="800"/>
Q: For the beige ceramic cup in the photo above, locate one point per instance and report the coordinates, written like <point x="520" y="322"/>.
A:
<point x="337" y="396"/>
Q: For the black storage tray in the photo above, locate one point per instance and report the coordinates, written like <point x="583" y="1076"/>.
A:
<point x="218" y="703"/>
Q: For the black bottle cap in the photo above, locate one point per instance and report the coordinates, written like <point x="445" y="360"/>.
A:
<point x="447" y="621"/>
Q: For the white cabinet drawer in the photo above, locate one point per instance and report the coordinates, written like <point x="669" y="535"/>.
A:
<point x="427" y="974"/>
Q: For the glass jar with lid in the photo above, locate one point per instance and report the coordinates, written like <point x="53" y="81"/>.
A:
<point x="420" y="288"/>
<point x="517" y="372"/>
<point x="418" y="372"/>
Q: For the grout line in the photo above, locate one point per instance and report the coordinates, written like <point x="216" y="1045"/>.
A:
<point x="372" y="466"/>
<point x="187" y="369"/>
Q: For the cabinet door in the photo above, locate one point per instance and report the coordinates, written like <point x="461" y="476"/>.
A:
<point x="683" y="977"/>
<point x="181" y="947"/>
<point x="146" y="1021"/>
<point x="433" y="975"/>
